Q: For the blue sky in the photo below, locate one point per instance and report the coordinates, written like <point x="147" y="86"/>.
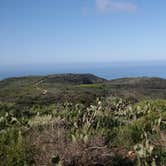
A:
<point x="66" y="31"/>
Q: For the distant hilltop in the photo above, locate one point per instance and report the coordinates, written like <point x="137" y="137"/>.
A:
<point x="79" y="88"/>
<point x="74" y="78"/>
<point x="68" y="78"/>
<point x="71" y="78"/>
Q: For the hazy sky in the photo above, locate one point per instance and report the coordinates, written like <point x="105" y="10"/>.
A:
<point x="53" y="31"/>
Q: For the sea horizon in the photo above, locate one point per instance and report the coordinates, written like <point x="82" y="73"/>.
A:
<point x="107" y="70"/>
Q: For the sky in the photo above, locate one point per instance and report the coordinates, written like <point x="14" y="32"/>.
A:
<point x="83" y="31"/>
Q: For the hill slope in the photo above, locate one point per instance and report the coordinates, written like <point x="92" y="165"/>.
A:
<point x="82" y="88"/>
<point x="153" y="82"/>
<point x="52" y="79"/>
<point x="73" y="79"/>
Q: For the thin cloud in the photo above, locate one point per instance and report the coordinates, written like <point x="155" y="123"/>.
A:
<point x="107" y="5"/>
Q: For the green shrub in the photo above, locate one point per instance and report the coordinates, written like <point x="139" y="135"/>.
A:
<point x="13" y="148"/>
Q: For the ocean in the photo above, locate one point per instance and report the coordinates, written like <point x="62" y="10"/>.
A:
<point x="109" y="71"/>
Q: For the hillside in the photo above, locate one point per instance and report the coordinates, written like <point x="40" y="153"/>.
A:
<point x="73" y="79"/>
<point x="153" y="82"/>
<point x="140" y="87"/>
<point x="52" y="79"/>
<point x="82" y="88"/>
<point x="82" y="120"/>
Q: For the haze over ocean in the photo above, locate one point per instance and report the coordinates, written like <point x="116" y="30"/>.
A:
<point x="106" y="70"/>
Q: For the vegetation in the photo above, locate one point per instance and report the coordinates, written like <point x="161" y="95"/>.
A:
<point x="106" y="130"/>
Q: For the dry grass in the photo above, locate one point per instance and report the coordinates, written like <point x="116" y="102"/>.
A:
<point x="50" y="141"/>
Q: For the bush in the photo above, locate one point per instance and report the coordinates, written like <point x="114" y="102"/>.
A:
<point x="13" y="148"/>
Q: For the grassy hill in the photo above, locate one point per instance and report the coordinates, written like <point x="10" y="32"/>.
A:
<point x="141" y="87"/>
<point x="82" y="88"/>
<point x="82" y="120"/>
<point x="52" y="79"/>
<point x="153" y="82"/>
<point x="73" y="79"/>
